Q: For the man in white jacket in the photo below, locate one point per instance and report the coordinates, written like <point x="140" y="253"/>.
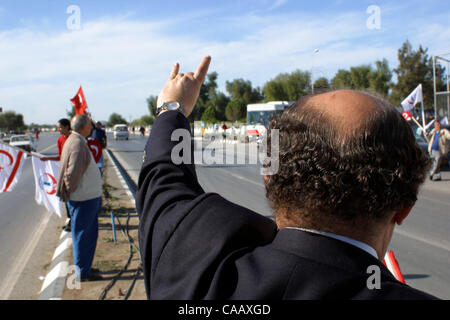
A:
<point x="438" y="148"/>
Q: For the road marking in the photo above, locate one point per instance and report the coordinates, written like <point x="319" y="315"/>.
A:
<point x="442" y="246"/>
<point x="22" y="260"/>
<point x="435" y="200"/>
<point x="48" y="148"/>
<point x="240" y="177"/>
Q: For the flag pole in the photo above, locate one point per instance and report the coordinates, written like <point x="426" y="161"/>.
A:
<point x="423" y="115"/>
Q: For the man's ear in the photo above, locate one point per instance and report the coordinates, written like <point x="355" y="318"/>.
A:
<point x="266" y="178"/>
<point x="401" y="215"/>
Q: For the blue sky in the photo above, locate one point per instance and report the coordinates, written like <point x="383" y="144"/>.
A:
<point x="125" y="49"/>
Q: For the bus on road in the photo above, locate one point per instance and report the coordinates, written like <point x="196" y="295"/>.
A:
<point x="259" y="116"/>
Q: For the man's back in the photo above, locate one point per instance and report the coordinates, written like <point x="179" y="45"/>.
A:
<point x="200" y="246"/>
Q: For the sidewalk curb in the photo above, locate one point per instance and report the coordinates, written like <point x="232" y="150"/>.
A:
<point x="55" y="280"/>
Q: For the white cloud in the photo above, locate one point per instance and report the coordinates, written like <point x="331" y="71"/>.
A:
<point x="120" y="62"/>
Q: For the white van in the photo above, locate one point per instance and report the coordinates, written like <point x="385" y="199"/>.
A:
<point x="120" y="131"/>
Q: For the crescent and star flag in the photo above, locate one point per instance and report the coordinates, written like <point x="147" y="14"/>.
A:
<point x="96" y="149"/>
<point x="414" y="98"/>
<point x="45" y="175"/>
<point x="79" y="102"/>
<point x="11" y="164"/>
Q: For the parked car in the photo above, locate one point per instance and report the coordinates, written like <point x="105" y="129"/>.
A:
<point x="24" y="141"/>
<point x="120" y="131"/>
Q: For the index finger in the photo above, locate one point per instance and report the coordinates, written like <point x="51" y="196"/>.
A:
<point x="175" y="70"/>
<point x="202" y="69"/>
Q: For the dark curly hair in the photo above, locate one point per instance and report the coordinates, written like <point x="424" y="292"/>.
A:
<point x="364" y="174"/>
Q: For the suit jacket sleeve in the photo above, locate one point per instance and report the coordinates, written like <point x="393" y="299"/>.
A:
<point x="185" y="234"/>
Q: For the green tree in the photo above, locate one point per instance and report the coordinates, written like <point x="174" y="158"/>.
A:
<point x="10" y="120"/>
<point x="342" y="80"/>
<point x="243" y="90"/>
<point x="116" y="119"/>
<point x="380" y="79"/>
<point x="321" y="83"/>
<point x="209" y="116"/>
<point x="152" y="104"/>
<point x="415" y="67"/>
<point x="288" y="86"/>
<point x="218" y="101"/>
<point x="364" y="77"/>
<point x="236" y="110"/>
<point x="360" y="77"/>
<point x="145" y="120"/>
<point x="207" y="91"/>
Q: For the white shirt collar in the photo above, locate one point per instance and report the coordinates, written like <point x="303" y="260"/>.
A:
<point x="356" y="243"/>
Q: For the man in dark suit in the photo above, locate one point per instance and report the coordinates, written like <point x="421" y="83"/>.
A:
<point x="349" y="171"/>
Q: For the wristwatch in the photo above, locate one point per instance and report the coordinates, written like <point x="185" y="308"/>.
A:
<point x="169" y="106"/>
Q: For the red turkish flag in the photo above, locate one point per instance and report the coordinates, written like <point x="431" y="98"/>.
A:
<point x="79" y="102"/>
<point x="96" y="149"/>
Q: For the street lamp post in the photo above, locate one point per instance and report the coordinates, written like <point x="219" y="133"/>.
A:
<point x="312" y="78"/>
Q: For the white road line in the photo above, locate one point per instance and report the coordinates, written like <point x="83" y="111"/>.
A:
<point x="435" y="200"/>
<point x="51" y="147"/>
<point x="241" y="177"/>
<point x="444" y="246"/>
<point x="22" y="259"/>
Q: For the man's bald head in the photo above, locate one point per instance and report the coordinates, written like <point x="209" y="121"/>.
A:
<point x="346" y="110"/>
<point x="344" y="156"/>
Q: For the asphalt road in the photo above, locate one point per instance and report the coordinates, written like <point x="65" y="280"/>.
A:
<point x="28" y="233"/>
<point x="421" y="245"/>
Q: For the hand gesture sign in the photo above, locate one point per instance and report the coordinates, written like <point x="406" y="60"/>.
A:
<point x="184" y="88"/>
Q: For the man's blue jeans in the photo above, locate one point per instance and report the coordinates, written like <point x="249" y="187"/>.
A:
<point x="84" y="232"/>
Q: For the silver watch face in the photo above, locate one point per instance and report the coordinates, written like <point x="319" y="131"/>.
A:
<point x="172" y="105"/>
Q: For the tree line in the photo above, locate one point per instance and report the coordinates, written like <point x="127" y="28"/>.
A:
<point x="11" y="121"/>
<point x="213" y="106"/>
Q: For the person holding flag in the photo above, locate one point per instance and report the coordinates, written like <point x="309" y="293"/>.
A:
<point x="63" y="126"/>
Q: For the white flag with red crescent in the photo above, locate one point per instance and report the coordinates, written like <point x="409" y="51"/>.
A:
<point x="45" y="178"/>
<point x="414" y="98"/>
<point x="11" y="164"/>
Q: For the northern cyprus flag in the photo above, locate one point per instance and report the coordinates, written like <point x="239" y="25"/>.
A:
<point x="11" y="164"/>
<point x="414" y="98"/>
<point x="45" y="174"/>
